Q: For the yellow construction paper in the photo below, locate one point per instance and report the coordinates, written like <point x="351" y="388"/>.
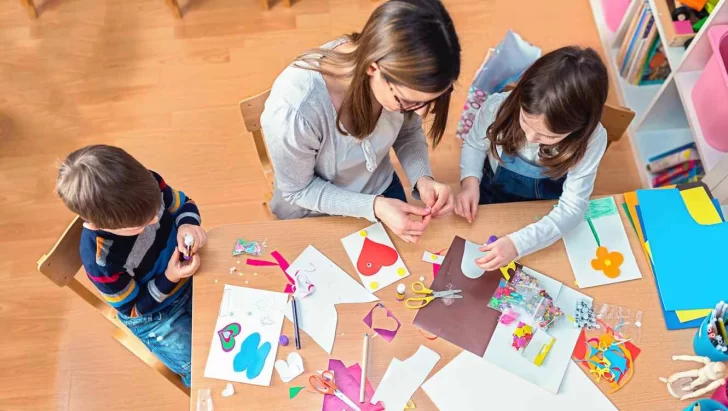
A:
<point x="700" y="207"/>
<point x="689" y="315"/>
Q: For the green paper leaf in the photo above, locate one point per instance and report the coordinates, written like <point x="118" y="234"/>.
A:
<point x="293" y="391"/>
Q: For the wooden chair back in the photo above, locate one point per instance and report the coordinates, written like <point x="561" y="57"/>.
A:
<point x="251" y="109"/>
<point x="62" y="263"/>
<point x="615" y="119"/>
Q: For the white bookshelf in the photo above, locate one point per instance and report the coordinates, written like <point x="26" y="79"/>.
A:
<point x="664" y="114"/>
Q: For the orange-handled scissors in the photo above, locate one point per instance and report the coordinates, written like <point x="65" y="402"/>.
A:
<point x="419" y="302"/>
<point x="324" y="384"/>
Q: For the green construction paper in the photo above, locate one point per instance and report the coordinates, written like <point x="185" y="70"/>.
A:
<point x="293" y="391"/>
<point x="629" y="216"/>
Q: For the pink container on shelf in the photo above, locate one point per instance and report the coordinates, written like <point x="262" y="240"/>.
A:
<point x="710" y="94"/>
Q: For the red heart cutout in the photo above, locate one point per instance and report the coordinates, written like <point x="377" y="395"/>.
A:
<point x="374" y="256"/>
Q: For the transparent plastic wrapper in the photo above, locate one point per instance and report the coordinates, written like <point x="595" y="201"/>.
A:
<point x="502" y="65"/>
<point x="626" y="322"/>
<point x="524" y="298"/>
<point x="204" y="400"/>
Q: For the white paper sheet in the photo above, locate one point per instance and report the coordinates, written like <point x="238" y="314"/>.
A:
<point x="257" y="312"/>
<point x="402" y="378"/>
<point x="374" y="257"/>
<point x="316" y="313"/>
<point x="581" y="249"/>
<point x="470" y="383"/>
<point x="550" y="374"/>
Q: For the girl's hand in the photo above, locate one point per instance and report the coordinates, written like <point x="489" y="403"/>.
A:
<point x="437" y="196"/>
<point x="178" y="269"/>
<point x="198" y="235"/>
<point x="466" y="202"/>
<point x="395" y="214"/>
<point x="500" y="253"/>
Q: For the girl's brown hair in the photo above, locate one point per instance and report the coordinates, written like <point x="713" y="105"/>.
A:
<point x="568" y="87"/>
<point x="415" y="45"/>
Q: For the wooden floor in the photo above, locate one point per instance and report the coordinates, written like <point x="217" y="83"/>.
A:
<point x="127" y="73"/>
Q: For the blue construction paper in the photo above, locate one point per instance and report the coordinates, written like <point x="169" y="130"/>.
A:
<point x="672" y="322"/>
<point x="681" y="251"/>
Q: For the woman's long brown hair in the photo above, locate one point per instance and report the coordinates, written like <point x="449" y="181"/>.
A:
<point x="414" y="44"/>
<point x="568" y="87"/>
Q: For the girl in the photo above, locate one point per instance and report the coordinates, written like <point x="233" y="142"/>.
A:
<point x="543" y="140"/>
<point x="333" y="116"/>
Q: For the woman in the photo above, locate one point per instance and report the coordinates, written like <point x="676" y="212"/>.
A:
<point x="333" y="116"/>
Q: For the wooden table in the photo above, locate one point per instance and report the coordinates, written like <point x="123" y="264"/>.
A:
<point x="291" y="237"/>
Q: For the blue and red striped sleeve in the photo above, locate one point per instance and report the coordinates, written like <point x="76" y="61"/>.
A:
<point x="120" y="289"/>
<point x="182" y="208"/>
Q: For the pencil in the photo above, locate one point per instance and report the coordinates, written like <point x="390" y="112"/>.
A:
<point x="296" y="334"/>
<point x="364" y="361"/>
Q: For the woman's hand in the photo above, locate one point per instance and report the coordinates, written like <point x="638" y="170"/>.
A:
<point x="437" y="196"/>
<point x="395" y="214"/>
<point x="500" y="253"/>
<point x="466" y="202"/>
<point x="199" y="236"/>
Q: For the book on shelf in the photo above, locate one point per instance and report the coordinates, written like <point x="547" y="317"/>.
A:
<point x="672" y="158"/>
<point x="641" y="59"/>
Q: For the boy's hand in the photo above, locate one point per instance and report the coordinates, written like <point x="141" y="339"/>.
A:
<point x="500" y="253"/>
<point x="197" y="233"/>
<point x="178" y="269"/>
<point x="466" y="202"/>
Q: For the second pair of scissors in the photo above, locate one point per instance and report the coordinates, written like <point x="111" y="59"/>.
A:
<point x="419" y="302"/>
<point x="324" y="383"/>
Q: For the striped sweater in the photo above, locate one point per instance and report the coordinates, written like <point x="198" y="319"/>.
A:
<point x="129" y="270"/>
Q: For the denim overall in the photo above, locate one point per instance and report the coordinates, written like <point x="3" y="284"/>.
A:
<point x="517" y="180"/>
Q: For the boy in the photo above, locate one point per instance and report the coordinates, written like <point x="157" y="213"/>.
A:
<point x="134" y="231"/>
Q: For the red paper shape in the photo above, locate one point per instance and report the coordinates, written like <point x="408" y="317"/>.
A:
<point x="374" y="256"/>
<point x="348" y="379"/>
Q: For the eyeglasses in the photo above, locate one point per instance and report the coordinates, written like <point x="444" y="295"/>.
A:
<point x="409" y="106"/>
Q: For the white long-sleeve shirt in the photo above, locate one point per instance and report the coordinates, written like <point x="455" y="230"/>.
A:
<point x="579" y="184"/>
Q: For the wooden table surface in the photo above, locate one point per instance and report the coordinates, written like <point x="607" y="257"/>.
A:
<point x="290" y="238"/>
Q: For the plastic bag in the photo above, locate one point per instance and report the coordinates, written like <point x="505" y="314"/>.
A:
<point x="626" y="322"/>
<point x="502" y="65"/>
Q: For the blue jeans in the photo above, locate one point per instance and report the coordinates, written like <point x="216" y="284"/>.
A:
<point x="395" y="189"/>
<point x="168" y="334"/>
<point x="517" y="180"/>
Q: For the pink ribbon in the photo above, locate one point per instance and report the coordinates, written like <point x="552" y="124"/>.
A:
<point x="280" y="262"/>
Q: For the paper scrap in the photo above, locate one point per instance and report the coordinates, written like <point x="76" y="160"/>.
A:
<point x="290" y="368"/>
<point x="539" y="347"/>
<point x="603" y="216"/>
<point x="317" y="313"/>
<point x="467" y="265"/>
<point x="464" y="383"/>
<point x="432" y="258"/>
<point x="348" y="380"/>
<point x="402" y="378"/>
<point x="384" y="317"/>
<point x="374" y="257"/>
<point x="293" y="391"/>
<point x="228" y="391"/>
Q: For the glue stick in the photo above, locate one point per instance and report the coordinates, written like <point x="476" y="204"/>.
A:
<point x="400" y="292"/>
<point x="189" y="242"/>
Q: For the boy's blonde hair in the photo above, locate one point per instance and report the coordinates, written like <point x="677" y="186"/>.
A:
<point x="108" y="187"/>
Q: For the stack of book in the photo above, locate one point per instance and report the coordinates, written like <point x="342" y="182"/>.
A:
<point x="642" y="58"/>
<point x="679" y="166"/>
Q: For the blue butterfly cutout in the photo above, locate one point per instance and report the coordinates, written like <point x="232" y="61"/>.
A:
<point x="251" y="358"/>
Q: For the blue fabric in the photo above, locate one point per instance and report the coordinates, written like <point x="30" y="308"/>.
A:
<point x="395" y="189"/>
<point x="168" y="334"/>
<point x="517" y="180"/>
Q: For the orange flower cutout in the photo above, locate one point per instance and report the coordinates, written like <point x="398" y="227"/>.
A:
<point x="607" y="262"/>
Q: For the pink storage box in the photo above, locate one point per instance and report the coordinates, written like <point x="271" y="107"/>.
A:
<point x="710" y="94"/>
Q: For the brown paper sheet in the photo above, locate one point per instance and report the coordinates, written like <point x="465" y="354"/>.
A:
<point x="468" y="322"/>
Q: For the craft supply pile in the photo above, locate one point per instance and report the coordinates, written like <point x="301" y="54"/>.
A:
<point x="521" y="331"/>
